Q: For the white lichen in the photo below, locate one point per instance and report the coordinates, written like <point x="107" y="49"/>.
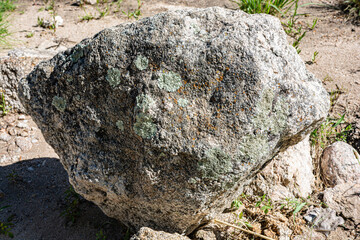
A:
<point x="183" y="102"/>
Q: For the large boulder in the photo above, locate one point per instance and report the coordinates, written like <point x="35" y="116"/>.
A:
<point x="160" y="122"/>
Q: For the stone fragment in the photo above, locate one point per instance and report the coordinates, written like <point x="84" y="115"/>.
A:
<point x="146" y="233"/>
<point x="205" y="235"/>
<point x="323" y="219"/>
<point x="23" y="143"/>
<point x="345" y="199"/>
<point x="147" y="159"/>
<point x="289" y="175"/>
<point x="340" y="163"/>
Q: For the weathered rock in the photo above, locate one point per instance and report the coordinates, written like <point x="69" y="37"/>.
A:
<point x="344" y="199"/>
<point x="146" y="233"/>
<point x="19" y="63"/>
<point x="340" y="163"/>
<point x="323" y="219"/>
<point x="23" y="143"/>
<point x="290" y="174"/>
<point x="161" y="121"/>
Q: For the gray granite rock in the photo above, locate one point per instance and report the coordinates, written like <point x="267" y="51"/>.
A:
<point x="160" y="122"/>
<point x="323" y="219"/>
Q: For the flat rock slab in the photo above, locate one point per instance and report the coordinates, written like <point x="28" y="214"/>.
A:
<point x="160" y="122"/>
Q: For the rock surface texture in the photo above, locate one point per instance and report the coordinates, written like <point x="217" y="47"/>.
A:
<point x="289" y="175"/>
<point x="160" y="122"/>
<point x="340" y="163"/>
<point x="146" y="233"/>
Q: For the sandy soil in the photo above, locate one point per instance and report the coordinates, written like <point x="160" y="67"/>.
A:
<point x="33" y="182"/>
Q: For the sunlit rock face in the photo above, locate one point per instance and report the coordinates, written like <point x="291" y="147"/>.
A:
<point x="160" y="122"/>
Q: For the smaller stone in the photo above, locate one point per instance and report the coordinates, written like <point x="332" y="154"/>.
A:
<point x="5" y="137"/>
<point x="323" y="219"/>
<point x="21" y="117"/>
<point x="30" y="169"/>
<point x="91" y="2"/>
<point x="146" y="233"/>
<point x="23" y="143"/>
<point x="344" y="199"/>
<point x="340" y="163"/>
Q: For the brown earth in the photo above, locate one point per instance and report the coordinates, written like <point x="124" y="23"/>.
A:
<point x="32" y="180"/>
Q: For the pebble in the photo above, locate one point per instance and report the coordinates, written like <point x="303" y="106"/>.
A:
<point x="5" y="137"/>
<point x="30" y="169"/>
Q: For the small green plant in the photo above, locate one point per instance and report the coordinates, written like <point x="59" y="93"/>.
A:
<point x="87" y="17"/>
<point x="236" y="204"/>
<point x="72" y="199"/>
<point x="29" y="35"/>
<point x="136" y="13"/>
<point x="5" y="227"/>
<point x="264" y="203"/>
<point x="4" y="108"/>
<point x="330" y="131"/>
<point x="5" y="6"/>
<point x="100" y="235"/>
<point x="294" y="205"/>
<point x="272" y="7"/>
<point x="313" y="59"/>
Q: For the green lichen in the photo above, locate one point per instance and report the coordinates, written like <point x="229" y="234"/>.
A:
<point x="271" y="116"/>
<point x="253" y="147"/>
<point x="141" y="62"/>
<point x="113" y="77"/>
<point x="215" y="164"/>
<point x="169" y="81"/>
<point x="59" y="103"/>
<point x="183" y="102"/>
<point x="144" y="126"/>
<point x="120" y="125"/>
<point x="144" y="102"/>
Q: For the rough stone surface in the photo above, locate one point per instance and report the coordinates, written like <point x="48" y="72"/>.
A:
<point x="323" y="219"/>
<point x="146" y="233"/>
<point x="148" y="159"/>
<point x="344" y="199"/>
<point x="340" y="163"/>
<point x="289" y="175"/>
<point x="19" y="63"/>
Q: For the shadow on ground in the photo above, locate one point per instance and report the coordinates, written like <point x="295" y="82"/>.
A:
<point x="35" y="190"/>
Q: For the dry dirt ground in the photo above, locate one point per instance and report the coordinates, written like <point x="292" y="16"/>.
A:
<point x="32" y="180"/>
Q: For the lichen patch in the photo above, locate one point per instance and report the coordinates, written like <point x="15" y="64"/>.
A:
<point x="144" y="126"/>
<point x="141" y="62"/>
<point x="113" y="77"/>
<point x="183" y="102"/>
<point x="59" y="103"/>
<point x="169" y="81"/>
<point x="215" y="164"/>
<point x="120" y="125"/>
